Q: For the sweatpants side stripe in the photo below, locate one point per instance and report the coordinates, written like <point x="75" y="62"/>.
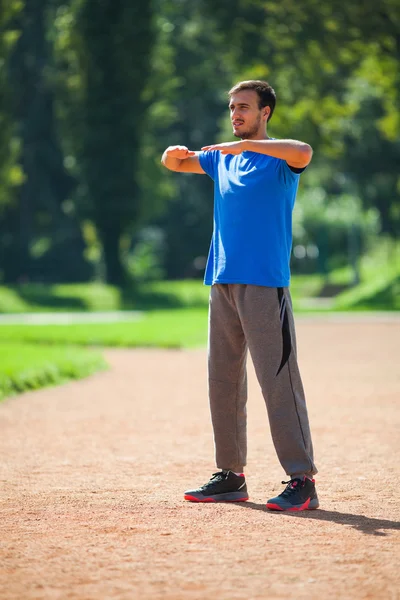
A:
<point x="286" y="337"/>
<point x="283" y="309"/>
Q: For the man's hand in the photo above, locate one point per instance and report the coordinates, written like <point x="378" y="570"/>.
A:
<point x="226" y="148"/>
<point x="180" y="152"/>
<point x="181" y="159"/>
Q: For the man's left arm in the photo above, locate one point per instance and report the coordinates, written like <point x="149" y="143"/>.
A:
<point x="296" y="154"/>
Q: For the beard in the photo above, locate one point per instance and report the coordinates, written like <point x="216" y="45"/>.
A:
<point x="253" y="131"/>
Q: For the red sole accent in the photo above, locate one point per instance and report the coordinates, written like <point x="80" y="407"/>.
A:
<point x="293" y="509"/>
<point x="193" y="499"/>
<point x="274" y="506"/>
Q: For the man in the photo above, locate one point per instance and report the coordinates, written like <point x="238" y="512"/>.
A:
<point x="255" y="185"/>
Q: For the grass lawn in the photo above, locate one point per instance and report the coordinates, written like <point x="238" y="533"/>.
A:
<point x="173" y="328"/>
<point x="182" y="320"/>
<point x="174" y="316"/>
<point x="30" y="366"/>
<point x="32" y="357"/>
<point x="146" y="296"/>
<point x="379" y="291"/>
<point x="35" y="297"/>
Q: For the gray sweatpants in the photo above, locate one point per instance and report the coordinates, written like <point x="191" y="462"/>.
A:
<point x="260" y="319"/>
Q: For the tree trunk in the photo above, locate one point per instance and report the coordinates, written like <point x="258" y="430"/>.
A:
<point x="115" y="272"/>
<point x="115" y="43"/>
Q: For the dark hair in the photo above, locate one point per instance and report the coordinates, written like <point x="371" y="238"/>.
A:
<point x="266" y="94"/>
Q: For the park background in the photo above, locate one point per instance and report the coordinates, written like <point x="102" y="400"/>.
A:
<point x="91" y="93"/>
<point x="102" y="253"/>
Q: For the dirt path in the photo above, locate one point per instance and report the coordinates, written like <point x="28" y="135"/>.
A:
<point x="92" y="476"/>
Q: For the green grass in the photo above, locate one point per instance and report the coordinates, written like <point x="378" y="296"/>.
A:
<point x="30" y="367"/>
<point x="379" y="270"/>
<point x="382" y="293"/>
<point x="146" y="296"/>
<point x="183" y="325"/>
<point x="178" y="327"/>
<point x="62" y="297"/>
<point x="305" y="286"/>
<point x="164" y="329"/>
<point x="175" y="316"/>
<point x="102" y="297"/>
<point x="379" y="288"/>
<point x="12" y="302"/>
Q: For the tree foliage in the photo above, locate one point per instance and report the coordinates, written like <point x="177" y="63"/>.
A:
<point x="45" y="238"/>
<point x="10" y="173"/>
<point x="91" y="93"/>
<point x="335" y="67"/>
<point x="115" y="41"/>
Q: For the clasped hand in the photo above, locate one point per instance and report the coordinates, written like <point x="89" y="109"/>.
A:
<point x="182" y="152"/>
<point x="226" y="147"/>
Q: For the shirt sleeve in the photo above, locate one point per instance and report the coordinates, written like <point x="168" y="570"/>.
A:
<point x="296" y="169"/>
<point x="286" y="174"/>
<point x="209" y="162"/>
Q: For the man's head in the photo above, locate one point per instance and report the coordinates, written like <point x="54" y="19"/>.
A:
<point x="251" y="104"/>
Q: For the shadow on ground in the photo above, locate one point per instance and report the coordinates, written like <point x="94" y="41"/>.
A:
<point x="42" y="296"/>
<point x="368" y="525"/>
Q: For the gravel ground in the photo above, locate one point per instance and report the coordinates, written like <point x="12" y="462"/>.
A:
<point x="93" y="474"/>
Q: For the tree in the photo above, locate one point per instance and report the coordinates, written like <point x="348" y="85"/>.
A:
<point x="186" y="95"/>
<point x="48" y="244"/>
<point x="114" y="46"/>
<point x="335" y="66"/>
<point x="10" y="173"/>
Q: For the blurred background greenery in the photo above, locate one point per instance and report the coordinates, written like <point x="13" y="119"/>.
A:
<point x="92" y="92"/>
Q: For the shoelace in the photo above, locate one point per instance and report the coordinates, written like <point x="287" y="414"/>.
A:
<point x="292" y="486"/>
<point x="220" y="476"/>
<point x="215" y="478"/>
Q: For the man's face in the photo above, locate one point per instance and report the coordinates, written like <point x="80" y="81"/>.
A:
<point x="248" y="120"/>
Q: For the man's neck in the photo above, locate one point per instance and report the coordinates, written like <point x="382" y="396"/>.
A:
<point x="257" y="137"/>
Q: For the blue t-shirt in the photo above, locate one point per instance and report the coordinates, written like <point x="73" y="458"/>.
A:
<point x="254" y="196"/>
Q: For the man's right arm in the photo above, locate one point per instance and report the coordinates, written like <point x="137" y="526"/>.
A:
<point x="182" y="160"/>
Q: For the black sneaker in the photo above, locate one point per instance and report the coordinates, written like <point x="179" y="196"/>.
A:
<point x="223" y="486"/>
<point x="299" y="494"/>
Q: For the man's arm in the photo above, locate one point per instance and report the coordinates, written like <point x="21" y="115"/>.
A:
<point x="182" y="160"/>
<point x="296" y="154"/>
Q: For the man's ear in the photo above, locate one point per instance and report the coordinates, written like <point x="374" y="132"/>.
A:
<point x="267" y="110"/>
